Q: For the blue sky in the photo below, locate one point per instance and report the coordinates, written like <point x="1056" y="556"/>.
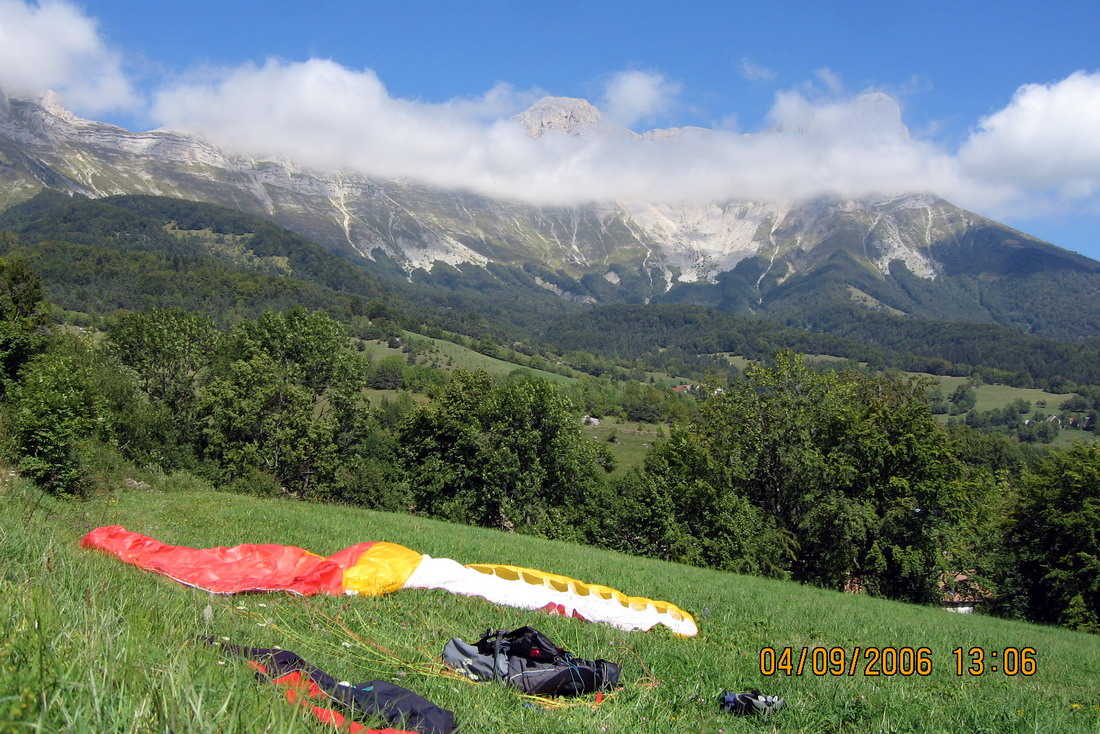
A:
<point x="951" y="62"/>
<point x="947" y="66"/>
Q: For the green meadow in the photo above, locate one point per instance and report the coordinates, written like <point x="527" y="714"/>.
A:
<point x="987" y="396"/>
<point x="449" y="355"/>
<point x="89" y="644"/>
<point x="632" y="440"/>
<point x="998" y="396"/>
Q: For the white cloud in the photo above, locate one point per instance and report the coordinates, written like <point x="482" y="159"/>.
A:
<point x="325" y="115"/>
<point x="1046" y="140"/>
<point x="55" y="46"/>
<point x="754" y="72"/>
<point x="1041" y="151"/>
<point x="322" y="114"/>
<point x="633" y="96"/>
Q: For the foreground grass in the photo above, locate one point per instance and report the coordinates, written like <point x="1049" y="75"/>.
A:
<point x="90" y="644"/>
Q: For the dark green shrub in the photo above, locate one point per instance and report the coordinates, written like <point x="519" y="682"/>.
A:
<point x="55" y="411"/>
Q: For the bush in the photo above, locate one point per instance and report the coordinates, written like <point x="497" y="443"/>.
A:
<point x="389" y="374"/>
<point x="508" y="455"/>
<point x="55" y="410"/>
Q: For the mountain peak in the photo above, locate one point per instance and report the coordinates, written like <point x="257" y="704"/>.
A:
<point x="51" y="103"/>
<point x="569" y="115"/>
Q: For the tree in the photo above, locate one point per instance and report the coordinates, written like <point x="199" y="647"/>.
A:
<point x="169" y="350"/>
<point x="1055" y="538"/>
<point x="852" y="470"/>
<point x="55" y="410"/>
<point x="309" y="346"/>
<point x="285" y="406"/>
<point x="22" y="317"/>
<point x="674" y="510"/>
<point x="389" y="374"/>
<point x="507" y="455"/>
<point x="643" y="403"/>
<point x="1076" y="403"/>
<point x="963" y="399"/>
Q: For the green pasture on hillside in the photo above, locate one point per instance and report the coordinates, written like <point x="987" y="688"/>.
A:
<point x="988" y="396"/>
<point x="998" y="396"/>
<point x="88" y="644"/>
<point x="449" y="355"/>
<point x="376" y="396"/>
<point x="378" y="351"/>
<point x="634" y="440"/>
<point x="1066" y="438"/>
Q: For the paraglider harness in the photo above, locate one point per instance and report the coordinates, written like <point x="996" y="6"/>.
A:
<point x="530" y="661"/>
<point x="306" y="683"/>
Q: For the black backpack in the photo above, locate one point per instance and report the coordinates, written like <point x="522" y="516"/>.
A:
<point x="524" y="642"/>
<point x="530" y="661"/>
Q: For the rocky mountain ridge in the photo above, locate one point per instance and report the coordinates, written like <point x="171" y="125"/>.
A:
<point x="635" y="250"/>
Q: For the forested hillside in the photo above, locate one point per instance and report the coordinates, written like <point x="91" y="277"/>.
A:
<point x="998" y="353"/>
<point x="97" y="256"/>
<point x="1029" y="286"/>
<point x="134" y="252"/>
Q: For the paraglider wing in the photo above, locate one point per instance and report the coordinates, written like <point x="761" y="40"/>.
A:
<point x="375" y="568"/>
<point x="224" y="570"/>
<point x="530" y="588"/>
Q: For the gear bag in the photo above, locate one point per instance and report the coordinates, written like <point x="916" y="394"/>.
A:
<point x="524" y="642"/>
<point x="528" y="660"/>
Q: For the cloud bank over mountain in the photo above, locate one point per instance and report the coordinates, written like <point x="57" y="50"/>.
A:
<point x="55" y="46"/>
<point x="323" y="114"/>
<point x="1039" y="152"/>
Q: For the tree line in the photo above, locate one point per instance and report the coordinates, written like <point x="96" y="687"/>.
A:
<point x="839" y="478"/>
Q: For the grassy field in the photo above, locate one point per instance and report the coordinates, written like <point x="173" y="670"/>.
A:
<point x="375" y="396"/>
<point x="988" y="396"/>
<point x="634" y="440"/>
<point x="462" y="357"/>
<point x="998" y="396"/>
<point x="88" y="644"/>
<point x="448" y="355"/>
<point x="1065" y="439"/>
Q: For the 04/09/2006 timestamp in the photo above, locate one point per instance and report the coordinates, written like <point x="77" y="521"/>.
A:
<point x="895" y="661"/>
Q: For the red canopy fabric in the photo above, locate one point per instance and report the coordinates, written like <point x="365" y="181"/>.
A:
<point x="222" y="570"/>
